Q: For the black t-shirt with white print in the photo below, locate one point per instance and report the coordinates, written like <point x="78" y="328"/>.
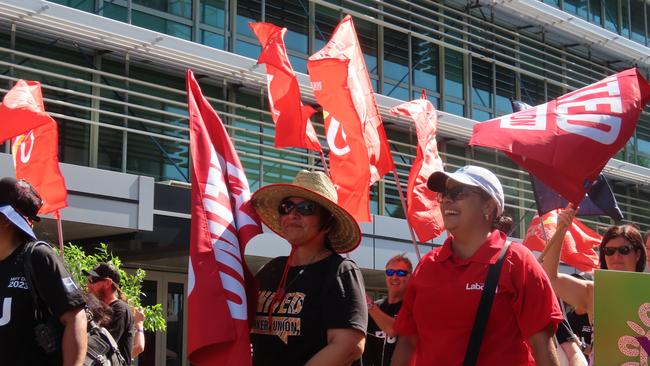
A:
<point x="379" y="346"/>
<point x="328" y="294"/>
<point x="17" y="340"/>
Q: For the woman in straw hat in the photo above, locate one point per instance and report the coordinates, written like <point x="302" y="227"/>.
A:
<point x="311" y="307"/>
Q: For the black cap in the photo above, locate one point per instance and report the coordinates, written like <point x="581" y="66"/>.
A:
<point x="104" y="270"/>
<point x="21" y="196"/>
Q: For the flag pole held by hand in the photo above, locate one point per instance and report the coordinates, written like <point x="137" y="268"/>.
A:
<point x="547" y="246"/>
<point x="401" y="198"/>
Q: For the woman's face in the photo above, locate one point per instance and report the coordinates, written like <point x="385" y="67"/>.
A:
<point x="618" y="261"/>
<point x="301" y="222"/>
<point x="462" y="207"/>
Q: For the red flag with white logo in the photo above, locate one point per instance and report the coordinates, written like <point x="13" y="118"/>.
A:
<point x="22" y="109"/>
<point x="423" y="207"/>
<point x="36" y="159"/>
<point x="567" y="141"/>
<point x="344" y="45"/>
<point x="220" y="286"/>
<point x="578" y="244"/>
<point x="349" y="167"/>
<point x="292" y="125"/>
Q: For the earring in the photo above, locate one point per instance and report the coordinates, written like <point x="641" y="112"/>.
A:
<point x="487" y="217"/>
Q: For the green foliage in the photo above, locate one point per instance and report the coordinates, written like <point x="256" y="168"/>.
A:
<point x="77" y="261"/>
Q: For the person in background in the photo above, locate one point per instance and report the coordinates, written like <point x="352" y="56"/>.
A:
<point x="311" y="305"/>
<point x="381" y="337"/>
<point x="104" y="282"/>
<point x="138" y="337"/>
<point x="569" y="346"/>
<point x="60" y="296"/>
<point x="579" y="320"/>
<point x="443" y="294"/>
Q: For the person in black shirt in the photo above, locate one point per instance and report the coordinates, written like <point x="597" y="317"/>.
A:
<point x="311" y="305"/>
<point x="103" y="282"/>
<point x="19" y="205"/>
<point x="569" y="348"/>
<point x="381" y="337"/>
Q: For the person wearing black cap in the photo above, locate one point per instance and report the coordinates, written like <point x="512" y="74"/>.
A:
<point x="58" y="295"/>
<point x="104" y="282"/>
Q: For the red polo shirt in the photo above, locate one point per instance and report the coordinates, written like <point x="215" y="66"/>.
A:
<point x="443" y="294"/>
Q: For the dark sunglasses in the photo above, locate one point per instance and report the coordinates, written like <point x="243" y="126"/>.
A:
<point x="456" y="193"/>
<point x="398" y="272"/>
<point x="624" y="250"/>
<point x="304" y="208"/>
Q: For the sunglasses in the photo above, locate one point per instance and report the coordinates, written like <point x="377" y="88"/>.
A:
<point x="624" y="250"/>
<point x="304" y="208"/>
<point x="456" y="193"/>
<point x="398" y="272"/>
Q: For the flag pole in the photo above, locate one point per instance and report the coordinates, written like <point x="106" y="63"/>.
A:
<point x="322" y="159"/>
<point x="59" y="227"/>
<point x="401" y="198"/>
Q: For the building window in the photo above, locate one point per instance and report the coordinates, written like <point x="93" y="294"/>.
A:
<point x="181" y="8"/>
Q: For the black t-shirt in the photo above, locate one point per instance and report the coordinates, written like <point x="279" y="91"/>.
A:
<point x="564" y="333"/>
<point x="121" y="328"/>
<point x="17" y="340"/>
<point x="581" y="327"/>
<point x="379" y="347"/>
<point x="328" y="294"/>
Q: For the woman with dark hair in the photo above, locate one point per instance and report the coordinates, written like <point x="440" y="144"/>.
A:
<point x="311" y="307"/>
<point x="441" y="302"/>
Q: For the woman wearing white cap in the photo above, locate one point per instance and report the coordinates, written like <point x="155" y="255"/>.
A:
<point x="436" y="324"/>
<point x="311" y="306"/>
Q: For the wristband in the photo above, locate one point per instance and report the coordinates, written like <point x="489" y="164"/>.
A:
<point x="140" y="330"/>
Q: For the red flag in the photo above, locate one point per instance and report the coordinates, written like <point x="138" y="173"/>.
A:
<point x="344" y="45"/>
<point x="22" y="109"/>
<point x="348" y="157"/>
<point x="36" y="159"/>
<point x="578" y="244"/>
<point x="567" y="141"/>
<point x="292" y="125"/>
<point x="220" y="293"/>
<point x="423" y="207"/>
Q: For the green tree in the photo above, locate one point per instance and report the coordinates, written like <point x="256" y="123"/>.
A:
<point x="77" y="260"/>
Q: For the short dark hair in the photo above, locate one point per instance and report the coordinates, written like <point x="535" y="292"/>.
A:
<point x="630" y="233"/>
<point x="401" y="258"/>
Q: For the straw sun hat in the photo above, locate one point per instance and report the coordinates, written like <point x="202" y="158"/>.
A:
<point x="344" y="236"/>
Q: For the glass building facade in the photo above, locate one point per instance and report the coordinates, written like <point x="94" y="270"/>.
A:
<point x="125" y="113"/>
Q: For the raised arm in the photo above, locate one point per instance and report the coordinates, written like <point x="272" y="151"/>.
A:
<point x="384" y="321"/>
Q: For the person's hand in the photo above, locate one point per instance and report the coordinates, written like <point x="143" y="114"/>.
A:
<point x="138" y="315"/>
<point x="369" y="302"/>
<point x="565" y="218"/>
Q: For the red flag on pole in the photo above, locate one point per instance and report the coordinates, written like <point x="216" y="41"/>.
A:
<point x="36" y="159"/>
<point x="220" y="291"/>
<point x="578" y="244"/>
<point x="22" y="109"/>
<point x="423" y="207"/>
<point x="292" y="125"/>
<point x="567" y="141"/>
<point x="344" y="45"/>
<point x="349" y="167"/>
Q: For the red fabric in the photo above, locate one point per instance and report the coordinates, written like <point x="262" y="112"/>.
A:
<point x="578" y="244"/>
<point x="22" y="109"/>
<point x="221" y="295"/>
<point x="36" y="159"/>
<point x="524" y="305"/>
<point x="344" y="45"/>
<point x="567" y="141"/>
<point x="292" y="125"/>
<point x="348" y="158"/>
<point x="423" y="207"/>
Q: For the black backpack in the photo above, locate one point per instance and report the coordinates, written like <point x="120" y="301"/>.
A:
<point x="102" y="348"/>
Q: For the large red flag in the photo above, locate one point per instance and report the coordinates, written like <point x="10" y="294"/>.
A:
<point x="220" y="292"/>
<point x="423" y="207"/>
<point x="567" y="141"/>
<point x="344" y="45"/>
<point x="348" y="157"/>
<point x="36" y="159"/>
<point x="22" y="110"/>
<point x="578" y="244"/>
<point x="292" y="125"/>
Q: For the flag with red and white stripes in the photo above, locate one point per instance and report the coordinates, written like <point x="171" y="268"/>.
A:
<point x="220" y="286"/>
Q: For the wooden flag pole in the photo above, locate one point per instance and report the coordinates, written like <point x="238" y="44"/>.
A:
<point x="401" y="198"/>
<point x="60" y="230"/>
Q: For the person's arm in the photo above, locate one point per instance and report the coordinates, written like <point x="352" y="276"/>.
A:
<point x="138" y="338"/>
<point x="572" y="290"/>
<point x="404" y="350"/>
<point x="573" y="353"/>
<point x="384" y="321"/>
<point x="75" y="337"/>
<point x="543" y="347"/>
<point x="343" y="347"/>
